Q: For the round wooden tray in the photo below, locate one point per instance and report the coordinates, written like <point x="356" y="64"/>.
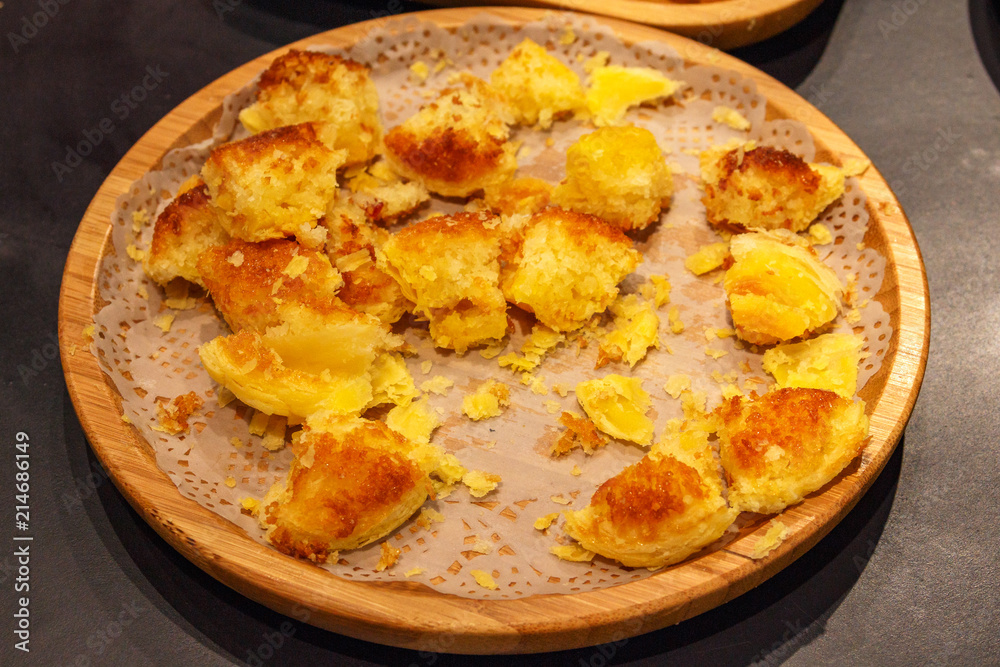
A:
<point x="409" y="614"/>
<point x="724" y="24"/>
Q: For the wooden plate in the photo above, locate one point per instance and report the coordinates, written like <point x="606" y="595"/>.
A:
<point x="724" y="24"/>
<point x="385" y="613"/>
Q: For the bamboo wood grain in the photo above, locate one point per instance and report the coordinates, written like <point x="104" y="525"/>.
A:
<point x="724" y="24"/>
<point x="384" y="612"/>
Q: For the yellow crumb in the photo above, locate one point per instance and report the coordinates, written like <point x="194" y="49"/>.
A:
<point x="772" y="539"/>
<point x="415" y="420"/>
<point x="560" y="500"/>
<point x="482" y="546"/>
<point x="419" y="71"/>
<point x="731" y="390"/>
<point x="543" y="522"/>
<point x="676" y="384"/>
<point x="134" y="252"/>
<point x="480" y="483"/>
<point x="231" y="482"/>
<point x="861" y="246"/>
<point x="855" y="166"/>
<point x="439" y="384"/>
<point x="251" y="505"/>
<point x="142" y="292"/>
<point x="164" y="322"/>
<point x="599" y="59"/>
<point x="568" y="36"/>
<point x="235" y="442"/>
<point x="484" y="579"/>
<point x="390" y="555"/>
<point x="661" y="290"/>
<point x="427" y="517"/>
<point x="820" y="234"/>
<point x="537" y="386"/>
<point x="425" y="366"/>
<point x="715" y="354"/>
<point x="274" y="433"/>
<point x="731" y="117"/>
<point x="560" y="389"/>
<point x="707" y="258"/>
<point x="258" y="423"/>
<point x="572" y="552"/>
<point x="491" y="351"/>
<point x="414" y="572"/>
<point x="576" y="472"/>
<point x="224" y="397"/>
<point x="675" y="320"/>
<point x="487" y="401"/>
<point x="693" y="404"/>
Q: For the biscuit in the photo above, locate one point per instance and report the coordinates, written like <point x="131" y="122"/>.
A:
<point x="778" y="448"/>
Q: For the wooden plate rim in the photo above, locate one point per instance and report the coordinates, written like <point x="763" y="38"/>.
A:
<point x="385" y="614"/>
<point x="724" y="24"/>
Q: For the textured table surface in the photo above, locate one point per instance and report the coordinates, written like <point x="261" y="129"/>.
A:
<point x="908" y="578"/>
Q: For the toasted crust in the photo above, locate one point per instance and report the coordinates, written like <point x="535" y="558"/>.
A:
<point x="248" y="281"/>
<point x="449" y="267"/>
<point x="337" y="94"/>
<point x="658" y="511"/>
<point x="766" y="188"/>
<point x="567" y="267"/>
<point x="352" y="244"/>
<point x="457" y="144"/>
<point x="345" y="489"/>
<point x="188" y="226"/>
<point x="782" y="446"/>
<point x="618" y="174"/>
<point x="274" y="184"/>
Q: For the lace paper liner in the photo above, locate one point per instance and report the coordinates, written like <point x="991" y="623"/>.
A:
<point x="145" y="364"/>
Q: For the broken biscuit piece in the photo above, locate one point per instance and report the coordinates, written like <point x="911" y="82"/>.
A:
<point x="750" y="187"/>
<point x="777" y="288"/>
<point x="457" y="144"/>
<point x="350" y="484"/>
<point x="449" y="267"/>
<point x="537" y="85"/>
<point x="336" y="94"/>
<point x="249" y="282"/>
<point x="187" y="227"/>
<point x="658" y="511"/>
<point x="567" y="267"/>
<point x="274" y="184"/>
<point x="618" y="174"/>
<point x="780" y="447"/>
<point x="618" y="406"/>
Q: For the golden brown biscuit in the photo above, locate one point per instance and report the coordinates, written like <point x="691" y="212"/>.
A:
<point x="567" y="267"/>
<point x="348" y="486"/>
<point x="352" y="244"/>
<point x="658" y="511"/>
<point x="274" y="184"/>
<point x="766" y="188"/>
<point x="456" y="145"/>
<point x="336" y="94"/>
<point x="778" y="448"/>
<point x="618" y="174"/>
<point x="188" y="226"/>
<point x="537" y="85"/>
<point x="249" y="281"/>
<point x="448" y="266"/>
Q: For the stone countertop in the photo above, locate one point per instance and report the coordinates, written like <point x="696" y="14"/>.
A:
<point x="907" y="578"/>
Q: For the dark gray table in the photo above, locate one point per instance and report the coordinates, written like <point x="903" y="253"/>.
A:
<point x="909" y="577"/>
